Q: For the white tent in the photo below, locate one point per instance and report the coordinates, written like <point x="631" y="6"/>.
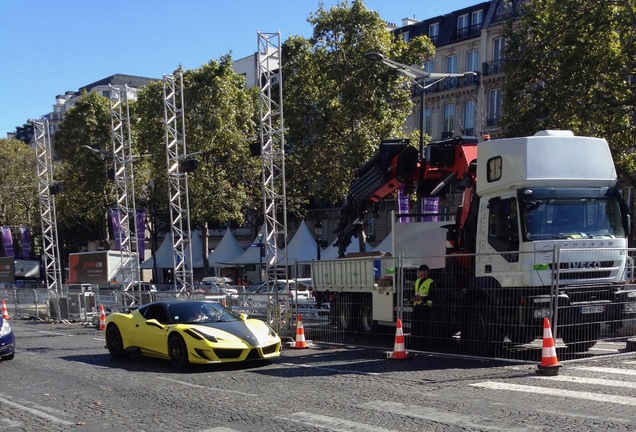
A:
<point x="302" y="247"/>
<point x="165" y="252"/>
<point x="252" y="255"/>
<point x="228" y="249"/>
<point x="331" y="252"/>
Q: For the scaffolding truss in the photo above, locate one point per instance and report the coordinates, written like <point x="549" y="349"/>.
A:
<point x="124" y="186"/>
<point x="174" y="122"/>
<point x="272" y="150"/>
<point x="46" y="192"/>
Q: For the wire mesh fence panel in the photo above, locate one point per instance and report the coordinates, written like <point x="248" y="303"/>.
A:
<point x="480" y="304"/>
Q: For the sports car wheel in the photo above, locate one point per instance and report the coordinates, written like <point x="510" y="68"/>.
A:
<point x="114" y="342"/>
<point x="178" y="351"/>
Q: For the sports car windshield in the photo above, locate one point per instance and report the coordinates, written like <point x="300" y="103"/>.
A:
<point x="199" y="313"/>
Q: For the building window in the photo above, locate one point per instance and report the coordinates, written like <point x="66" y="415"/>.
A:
<point x="449" y="120"/>
<point x="472" y="61"/>
<point x="499" y="46"/>
<point x="433" y="31"/>
<point x="494" y="106"/>
<point x="405" y="37"/>
<point x="462" y="27"/>
<point x="469" y="117"/>
<point x="451" y="64"/>
<point x="429" y="66"/>
<point x="106" y="93"/>
<point x="477" y="18"/>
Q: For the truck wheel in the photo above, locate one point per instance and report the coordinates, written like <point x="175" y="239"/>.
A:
<point x="582" y="337"/>
<point x="367" y="325"/>
<point x="522" y="335"/>
<point x="479" y="335"/>
<point x="345" y="313"/>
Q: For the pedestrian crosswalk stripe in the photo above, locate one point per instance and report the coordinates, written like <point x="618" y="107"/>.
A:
<point x="331" y="423"/>
<point x="438" y="416"/>
<point x="617" y="371"/>
<point x="593" y="381"/>
<point x="598" y="397"/>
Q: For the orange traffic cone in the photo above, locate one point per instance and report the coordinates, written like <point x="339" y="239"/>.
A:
<point x="399" y="351"/>
<point x="102" y="317"/>
<point x="549" y="363"/>
<point x="5" y="313"/>
<point x="300" y="334"/>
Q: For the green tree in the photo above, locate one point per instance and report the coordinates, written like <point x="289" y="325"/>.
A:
<point x="18" y="186"/>
<point x="219" y="114"/>
<point x="88" y="192"/>
<point x="580" y="77"/>
<point x="338" y="104"/>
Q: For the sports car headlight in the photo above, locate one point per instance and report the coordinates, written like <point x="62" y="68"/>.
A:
<point x="270" y="331"/>
<point x="5" y="329"/>
<point x="200" y="335"/>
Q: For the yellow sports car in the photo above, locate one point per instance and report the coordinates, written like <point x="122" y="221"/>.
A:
<point x="190" y="331"/>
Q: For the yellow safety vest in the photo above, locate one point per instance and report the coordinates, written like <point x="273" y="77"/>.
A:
<point x="421" y="289"/>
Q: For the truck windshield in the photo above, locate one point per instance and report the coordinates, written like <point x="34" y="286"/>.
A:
<point x="571" y="217"/>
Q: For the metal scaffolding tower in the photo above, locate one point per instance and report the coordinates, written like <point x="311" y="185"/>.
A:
<point x="47" y="188"/>
<point x="174" y="122"/>
<point x="272" y="137"/>
<point x="124" y="185"/>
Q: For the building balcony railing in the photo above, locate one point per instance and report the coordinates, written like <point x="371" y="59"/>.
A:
<point x="451" y="84"/>
<point x="468" y="32"/>
<point x="492" y="67"/>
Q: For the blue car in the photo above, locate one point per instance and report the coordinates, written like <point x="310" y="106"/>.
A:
<point x="7" y="340"/>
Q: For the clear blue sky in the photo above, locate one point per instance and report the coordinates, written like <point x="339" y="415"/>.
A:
<point x="49" y="47"/>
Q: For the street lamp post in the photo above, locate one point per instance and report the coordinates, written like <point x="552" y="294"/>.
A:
<point x="260" y="255"/>
<point x="318" y="229"/>
<point x="417" y="76"/>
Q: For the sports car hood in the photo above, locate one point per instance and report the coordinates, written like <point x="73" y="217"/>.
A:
<point x="240" y="329"/>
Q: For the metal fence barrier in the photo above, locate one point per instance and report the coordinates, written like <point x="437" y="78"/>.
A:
<point x="361" y="307"/>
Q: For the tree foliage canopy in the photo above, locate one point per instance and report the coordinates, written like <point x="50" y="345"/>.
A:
<point x="18" y="185"/>
<point x="571" y="65"/>
<point x="339" y="104"/>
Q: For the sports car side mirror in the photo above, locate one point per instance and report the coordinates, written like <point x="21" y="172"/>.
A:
<point x="243" y="316"/>
<point x="154" y="322"/>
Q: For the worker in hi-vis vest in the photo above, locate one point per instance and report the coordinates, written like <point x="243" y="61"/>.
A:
<point x="422" y="306"/>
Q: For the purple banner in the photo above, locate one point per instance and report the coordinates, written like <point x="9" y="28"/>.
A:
<point x="140" y="229"/>
<point x="116" y="221"/>
<point x="7" y="242"/>
<point x="403" y="204"/>
<point x="25" y="239"/>
<point x="431" y="205"/>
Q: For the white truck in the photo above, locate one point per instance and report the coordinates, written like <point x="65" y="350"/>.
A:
<point x="540" y="218"/>
<point x="107" y="268"/>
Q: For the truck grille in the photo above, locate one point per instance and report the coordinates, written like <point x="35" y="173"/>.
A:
<point x="595" y="270"/>
<point x="589" y="293"/>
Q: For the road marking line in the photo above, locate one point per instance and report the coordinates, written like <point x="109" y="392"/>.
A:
<point x="36" y="412"/>
<point x="206" y="387"/>
<point x="630" y="362"/>
<point x="55" y="333"/>
<point x="342" y="371"/>
<point x="331" y="423"/>
<point x="595" y="381"/>
<point x="598" y="397"/>
<point x="607" y="370"/>
<point x="437" y="416"/>
<point x="221" y="429"/>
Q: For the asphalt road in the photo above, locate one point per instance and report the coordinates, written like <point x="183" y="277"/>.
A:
<point x="62" y="379"/>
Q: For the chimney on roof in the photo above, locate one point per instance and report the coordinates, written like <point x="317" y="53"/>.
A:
<point x="409" y="21"/>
